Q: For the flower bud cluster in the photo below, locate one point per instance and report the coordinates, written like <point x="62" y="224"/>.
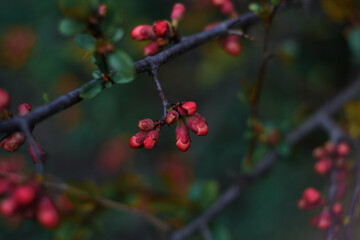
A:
<point x="329" y="157"/>
<point x="25" y="198"/>
<point x="160" y="33"/>
<point x="186" y="117"/>
<point x="226" y="7"/>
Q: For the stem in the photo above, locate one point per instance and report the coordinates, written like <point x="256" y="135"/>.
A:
<point x="164" y="101"/>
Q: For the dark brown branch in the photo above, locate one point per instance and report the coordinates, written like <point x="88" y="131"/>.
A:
<point x="67" y="100"/>
<point x="233" y="192"/>
<point x="164" y="101"/>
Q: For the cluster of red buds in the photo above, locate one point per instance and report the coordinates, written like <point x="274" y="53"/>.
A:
<point x="329" y="157"/>
<point x="13" y="142"/>
<point x="160" y="33"/>
<point x="186" y="117"/>
<point x="230" y="43"/>
<point x="24" y="198"/>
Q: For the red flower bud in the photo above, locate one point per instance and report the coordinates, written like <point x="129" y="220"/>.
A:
<point x="102" y="10"/>
<point x="227" y="8"/>
<point x="8" y="207"/>
<point x="162" y="28"/>
<point x="24" y="109"/>
<point x="32" y="152"/>
<point x="172" y="117"/>
<point x="341" y="189"/>
<point x="137" y="140"/>
<point x="182" y="136"/>
<point x="324" y="220"/>
<point x="337" y="209"/>
<point x="5" y="186"/>
<point x="323" y="166"/>
<point x="143" y="32"/>
<point x="302" y="204"/>
<point x="47" y="214"/>
<point x="319" y="152"/>
<point x="146" y="124"/>
<point x="189" y="108"/>
<point x="219" y="3"/>
<point x="25" y="194"/>
<point x="151" y="139"/>
<point x="4" y="99"/>
<point x="197" y="124"/>
<point x="177" y="12"/>
<point x="330" y="148"/>
<point x="12" y="143"/>
<point x="151" y="49"/>
<point x="312" y="196"/>
<point x="343" y="149"/>
<point x="231" y="44"/>
<point x="210" y="26"/>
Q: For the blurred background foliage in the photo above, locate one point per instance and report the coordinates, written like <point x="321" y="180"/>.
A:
<point x="317" y="49"/>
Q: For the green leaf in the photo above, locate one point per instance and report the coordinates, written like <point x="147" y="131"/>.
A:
<point x="46" y="97"/>
<point x="98" y="61"/>
<point x="354" y="43"/>
<point x="123" y="65"/>
<point x="256" y="8"/>
<point x="91" y="90"/>
<point x="108" y="85"/>
<point x="86" y="42"/>
<point x="275" y="2"/>
<point x="221" y="233"/>
<point x="70" y="27"/>
<point x="118" y="35"/>
<point x="97" y="74"/>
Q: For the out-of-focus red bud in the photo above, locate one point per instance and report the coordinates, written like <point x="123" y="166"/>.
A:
<point x="63" y="204"/>
<point x="8" y="207"/>
<point x="319" y="152"/>
<point x="330" y="148"/>
<point x="25" y="194"/>
<point x="227" y="8"/>
<point x="312" y="196"/>
<point x="146" y="124"/>
<point x="102" y="10"/>
<point x="302" y="204"/>
<point x="151" y="139"/>
<point x="323" y="166"/>
<point x="343" y="149"/>
<point x="337" y="209"/>
<point x="197" y="124"/>
<point x="143" y="32"/>
<point x="4" y="99"/>
<point x="341" y="188"/>
<point x="24" y="109"/>
<point x="151" y="49"/>
<point x="182" y="136"/>
<point x="172" y="117"/>
<point x="189" y="108"/>
<point x="219" y="3"/>
<point x="12" y="143"/>
<point x="137" y="140"/>
<point x="177" y="12"/>
<point x="161" y="28"/>
<point x="5" y="186"/>
<point x="324" y="220"/>
<point x="231" y="44"/>
<point x="42" y="153"/>
<point x="47" y="214"/>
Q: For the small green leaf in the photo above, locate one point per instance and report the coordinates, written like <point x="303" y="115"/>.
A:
<point x="98" y="61"/>
<point x="70" y="27"/>
<point x="97" y="74"/>
<point x="91" y="90"/>
<point x="86" y="42"/>
<point x="46" y="97"/>
<point x="108" y="85"/>
<point x="118" y="35"/>
<point x="275" y="2"/>
<point x="123" y="65"/>
<point x="256" y="8"/>
<point x="354" y="43"/>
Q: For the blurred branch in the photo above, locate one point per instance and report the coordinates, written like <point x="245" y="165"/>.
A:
<point x="314" y="121"/>
<point x="104" y="202"/>
<point x="205" y="231"/>
<point x="164" y="101"/>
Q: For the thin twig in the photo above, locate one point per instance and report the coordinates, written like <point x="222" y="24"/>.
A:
<point x="164" y="101"/>
<point x="205" y="232"/>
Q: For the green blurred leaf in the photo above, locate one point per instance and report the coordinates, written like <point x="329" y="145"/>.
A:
<point x="123" y="65"/>
<point x="204" y="192"/>
<point x="70" y="27"/>
<point x="86" y="42"/>
<point x="98" y="61"/>
<point x="91" y="90"/>
<point x="221" y="233"/>
<point x="255" y="7"/>
<point x="118" y="35"/>
<point x="97" y="74"/>
<point x="46" y="97"/>
<point x="275" y="2"/>
<point x="354" y="43"/>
